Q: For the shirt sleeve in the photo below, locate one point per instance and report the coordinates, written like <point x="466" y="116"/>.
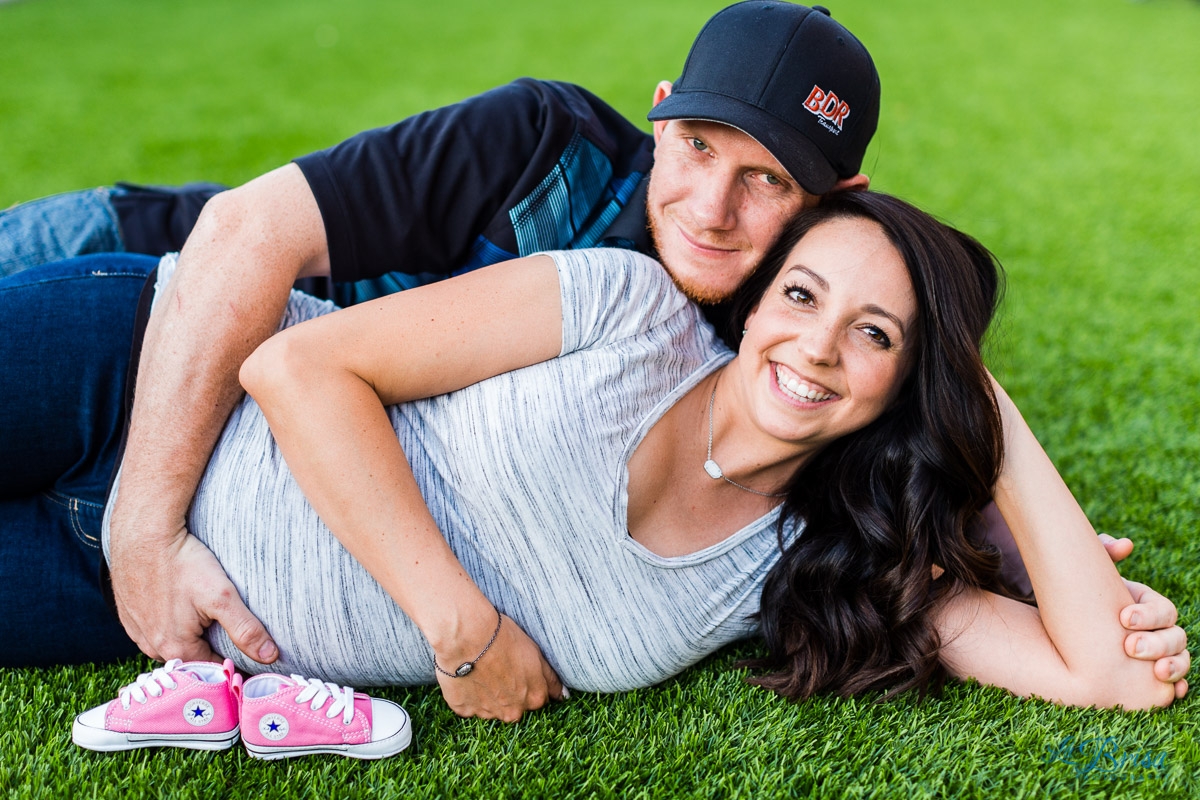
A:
<point x="413" y="197"/>
<point x="610" y="294"/>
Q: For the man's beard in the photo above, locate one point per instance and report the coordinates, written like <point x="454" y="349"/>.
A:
<point x="694" y="292"/>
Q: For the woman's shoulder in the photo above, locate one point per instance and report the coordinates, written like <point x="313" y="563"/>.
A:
<point x="612" y="293"/>
<point x="615" y="269"/>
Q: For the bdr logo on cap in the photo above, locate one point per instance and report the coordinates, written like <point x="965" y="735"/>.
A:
<point x="829" y="107"/>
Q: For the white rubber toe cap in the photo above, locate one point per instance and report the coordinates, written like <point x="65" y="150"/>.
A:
<point x="93" y="717"/>
<point x="88" y="731"/>
<point x="391" y="728"/>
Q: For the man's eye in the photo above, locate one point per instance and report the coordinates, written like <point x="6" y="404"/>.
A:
<point x="699" y="145"/>
<point x="772" y="179"/>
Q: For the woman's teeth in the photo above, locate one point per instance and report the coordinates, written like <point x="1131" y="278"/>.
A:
<point x="799" y="389"/>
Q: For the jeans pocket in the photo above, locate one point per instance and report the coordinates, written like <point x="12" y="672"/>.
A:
<point x="84" y="517"/>
<point x="57" y="227"/>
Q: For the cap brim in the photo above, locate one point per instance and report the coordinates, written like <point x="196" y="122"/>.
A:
<point x="795" y="151"/>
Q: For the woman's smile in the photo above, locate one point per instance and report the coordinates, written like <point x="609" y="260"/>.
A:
<point x="800" y="389"/>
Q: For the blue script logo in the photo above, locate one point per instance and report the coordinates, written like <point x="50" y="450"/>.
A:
<point x="1106" y="757"/>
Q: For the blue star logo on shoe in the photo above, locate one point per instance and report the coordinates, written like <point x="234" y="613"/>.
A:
<point x="273" y="726"/>
<point x="198" y="712"/>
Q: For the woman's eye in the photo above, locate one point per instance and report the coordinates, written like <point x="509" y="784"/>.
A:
<point x="798" y="294"/>
<point x="699" y="145"/>
<point x="878" y="336"/>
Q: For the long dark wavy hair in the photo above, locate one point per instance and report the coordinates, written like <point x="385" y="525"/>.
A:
<point x="847" y="609"/>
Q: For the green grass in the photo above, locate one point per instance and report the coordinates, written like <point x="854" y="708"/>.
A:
<point x="1064" y="135"/>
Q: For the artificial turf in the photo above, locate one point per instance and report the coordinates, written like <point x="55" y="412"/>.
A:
<point x="1064" y="135"/>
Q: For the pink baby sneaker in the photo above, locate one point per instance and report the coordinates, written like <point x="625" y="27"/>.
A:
<point x="177" y="705"/>
<point x="284" y="717"/>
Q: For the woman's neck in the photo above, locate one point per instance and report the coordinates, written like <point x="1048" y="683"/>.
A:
<point x="675" y="506"/>
<point x="747" y="456"/>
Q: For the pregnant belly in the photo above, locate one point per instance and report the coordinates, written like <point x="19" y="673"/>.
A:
<point x="324" y="610"/>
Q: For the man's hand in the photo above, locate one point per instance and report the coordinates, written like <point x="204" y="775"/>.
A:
<point x="1151" y="619"/>
<point x="511" y="678"/>
<point x="1156" y="637"/>
<point x="167" y="596"/>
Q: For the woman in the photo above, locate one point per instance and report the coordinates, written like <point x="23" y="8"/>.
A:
<point x="621" y="501"/>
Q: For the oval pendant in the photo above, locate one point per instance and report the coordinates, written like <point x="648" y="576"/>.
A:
<point x="713" y="470"/>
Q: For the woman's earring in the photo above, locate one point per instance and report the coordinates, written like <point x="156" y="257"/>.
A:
<point x="745" y="331"/>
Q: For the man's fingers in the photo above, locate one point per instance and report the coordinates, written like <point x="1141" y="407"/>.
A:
<point x="248" y="634"/>
<point x="194" y="650"/>
<point x="1173" y="668"/>
<point x="161" y="649"/>
<point x="135" y="633"/>
<point x="216" y="600"/>
<point x="1153" y="645"/>
<point x="1150" y="611"/>
<point x="1118" y="549"/>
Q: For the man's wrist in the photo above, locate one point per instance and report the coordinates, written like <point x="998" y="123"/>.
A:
<point x="152" y="518"/>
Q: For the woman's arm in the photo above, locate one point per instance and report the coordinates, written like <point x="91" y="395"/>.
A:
<point x="323" y="386"/>
<point x="1070" y="648"/>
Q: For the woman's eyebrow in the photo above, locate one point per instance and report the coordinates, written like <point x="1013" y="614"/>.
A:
<point x="870" y="308"/>
<point x="883" y="312"/>
<point x="817" y="279"/>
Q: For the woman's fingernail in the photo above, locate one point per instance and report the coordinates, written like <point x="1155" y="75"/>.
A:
<point x="1140" y="648"/>
<point x="1134" y="619"/>
<point x="267" y="652"/>
<point x="566" y="694"/>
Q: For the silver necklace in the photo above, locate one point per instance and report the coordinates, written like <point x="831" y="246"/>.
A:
<point x="712" y="468"/>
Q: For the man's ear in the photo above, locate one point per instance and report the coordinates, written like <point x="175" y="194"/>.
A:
<point x="859" y="183"/>
<point x="661" y="92"/>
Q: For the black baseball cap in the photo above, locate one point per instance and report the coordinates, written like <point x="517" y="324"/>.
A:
<point x="790" y="76"/>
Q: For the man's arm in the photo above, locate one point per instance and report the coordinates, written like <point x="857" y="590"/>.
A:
<point x="226" y="297"/>
<point x="1069" y="648"/>
<point x="1152" y="632"/>
<point x="394" y="200"/>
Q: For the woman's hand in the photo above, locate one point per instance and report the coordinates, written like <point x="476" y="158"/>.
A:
<point x="512" y="677"/>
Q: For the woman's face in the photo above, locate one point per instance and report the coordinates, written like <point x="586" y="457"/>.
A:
<point x="830" y="343"/>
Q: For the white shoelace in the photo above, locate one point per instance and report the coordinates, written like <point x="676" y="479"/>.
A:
<point x="150" y="683"/>
<point x="318" y="692"/>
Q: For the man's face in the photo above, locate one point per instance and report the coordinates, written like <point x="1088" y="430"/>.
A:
<point x="717" y="201"/>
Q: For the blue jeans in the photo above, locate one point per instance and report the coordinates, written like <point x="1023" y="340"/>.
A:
<point x="64" y="357"/>
<point x="57" y="227"/>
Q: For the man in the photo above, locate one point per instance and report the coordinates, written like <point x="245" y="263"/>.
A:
<point x="775" y="108"/>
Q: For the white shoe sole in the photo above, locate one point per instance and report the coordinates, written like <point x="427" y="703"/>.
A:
<point x="105" y="741"/>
